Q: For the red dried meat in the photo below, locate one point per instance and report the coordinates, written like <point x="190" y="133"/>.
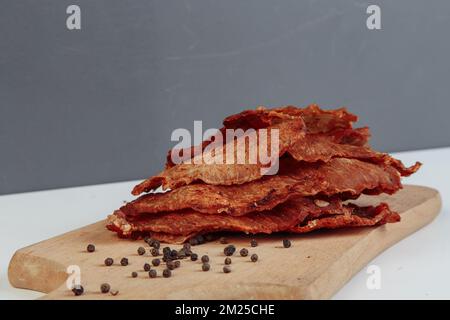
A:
<point x="340" y="176"/>
<point x="180" y="226"/>
<point x="290" y="130"/>
<point x="330" y="135"/>
<point x="361" y="217"/>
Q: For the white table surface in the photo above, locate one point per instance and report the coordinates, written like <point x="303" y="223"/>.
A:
<point x="417" y="267"/>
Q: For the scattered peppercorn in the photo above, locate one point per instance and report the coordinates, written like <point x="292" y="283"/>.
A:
<point x="109" y="261"/>
<point x="154" y="252"/>
<point x="167" y="273"/>
<point x="115" y="292"/>
<point x="229" y="250"/>
<point x="134" y="274"/>
<point x="104" y="288"/>
<point x="254" y="257"/>
<point x="156" y="244"/>
<point x="146" y="239"/>
<point x="205" y="259"/>
<point x="253" y="243"/>
<point x="147" y="267"/>
<point x="156" y="262"/>
<point x="141" y="251"/>
<point x="286" y="243"/>
<point x="194" y="257"/>
<point x="152" y="273"/>
<point x="124" y="261"/>
<point x="166" y="249"/>
<point x="90" y="248"/>
<point x="206" y="267"/>
<point x="227" y="260"/>
<point x="78" y="290"/>
<point x="186" y="246"/>
<point x="182" y="254"/>
<point x="243" y="252"/>
<point x="177" y="263"/>
<point x="226" y="269"/>
<point x="170" y="265"/>
<point x="223" y="240"/>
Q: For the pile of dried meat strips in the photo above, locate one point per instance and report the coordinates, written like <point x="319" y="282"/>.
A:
<point x="324" y="164"/>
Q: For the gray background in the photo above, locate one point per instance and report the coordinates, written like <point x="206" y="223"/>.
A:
<point x="99" y="105"/>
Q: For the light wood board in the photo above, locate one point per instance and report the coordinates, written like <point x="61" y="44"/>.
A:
<point x="315" y="267"/>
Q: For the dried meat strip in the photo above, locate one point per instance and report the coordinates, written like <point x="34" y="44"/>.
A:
<point x="323" y="143"/>
<point x="189" y="222"/>
<point x="177" y="227"/>
<point x="340" y="176"/>
<point x="333" y="122"/>
<point x="290" y="131"/>
<point x="365" y="216"/>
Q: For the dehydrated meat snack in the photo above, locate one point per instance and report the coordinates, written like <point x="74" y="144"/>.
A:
<point x="323" y="162"/>
<point x="309" y="179"/>
<point x="322" y="142"/>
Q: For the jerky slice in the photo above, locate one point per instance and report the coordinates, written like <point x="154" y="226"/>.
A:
<point x="340" y="176"/>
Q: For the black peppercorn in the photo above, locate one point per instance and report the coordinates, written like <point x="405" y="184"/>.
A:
<point x="205" y="259"/>
<point x="167" y="273"/>
<point x="109" y="261"/>
<point x="90" y="248"/>
<point x="174" y="254"/>
<point x="170" y="265"/>
<point x="226" y="269"/>
<point x="152" y="273"/>
<point x="194" y="257"/>
<point x="206" y="267"/>
<point x="186" y="246"/>
<point x="156" y="262"/>
<point x="154" y="252"/>
<point x="141" y="251"/>
<point x="104" y="288"/>
<point x="124" y="261"/>
<point x="147" y="267"/>
<point x="227" y="260"/>
<point x="177" y="263"/>
<point x="243" y="252"/>
<point x="146" y="239"/>
<point x="166" y="250"/>
<point x="286" y="243"/>
<point x="254" y="257"/>
<point x="253" y="243"/>
<point x="156" y="244"/>
<point x="78" y="290"/>
<point x="229" y="250"/>
<point x="134" y="274"/>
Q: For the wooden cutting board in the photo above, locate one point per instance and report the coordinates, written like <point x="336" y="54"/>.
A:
<point x="315" y="267"/>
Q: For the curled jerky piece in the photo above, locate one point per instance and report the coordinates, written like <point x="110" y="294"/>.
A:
<point x="365" y="216"/>
<point x="340" y="176"/>
<point x="188" y="222"/>
<point x="316" y="120"/>
<point x="329" y="136"/>
<point x="247" y="163"/>
<point x="177" y="227"/>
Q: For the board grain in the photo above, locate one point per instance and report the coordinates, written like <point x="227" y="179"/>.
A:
<point x="315" y="267"/>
